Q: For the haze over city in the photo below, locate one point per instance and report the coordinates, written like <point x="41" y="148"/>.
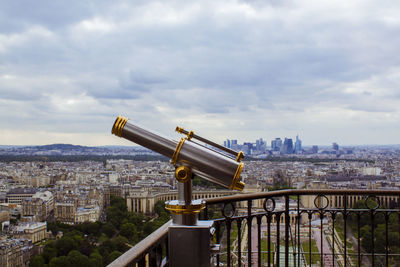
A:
<point x="325" y="70"/>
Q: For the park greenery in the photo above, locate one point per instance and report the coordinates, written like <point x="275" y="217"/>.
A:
<point x="311" y="253"/>
<point x="97" y="243"/>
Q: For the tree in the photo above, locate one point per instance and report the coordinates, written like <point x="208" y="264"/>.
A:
<point x="148" y="228"/>
<point x="114" y="215"/>
<point x="49" y="252"/>
<point x="85" y="247"/>
<point x="96" y="259"/>
<point x="64" y="245"/>
<point x="90" y="228"/>
<point x="366" y="237"/>
<point x="106" y="248"/>
<point x="114" y="255"/>
<point x="119" y="243"/>
<point x="159" y="208"/>
<point x="109" y="229"/>
<point x="380" y="238"/>
<point x="37" y="261"/>
<point x="61" y="261"/>
<point x="100" y="242"/>
<point x="118" y="203"/>
<point x="77" y="259"/>
<point x="128" y="230"/>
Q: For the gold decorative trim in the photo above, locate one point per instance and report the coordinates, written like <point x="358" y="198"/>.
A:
<point x="183" y="174"/>
<point x="119" y="125"/>
<point x="239" y="186"/>
<point x="179" y="129"/>
<point x="177" y="150"/>
<point x="236" y="184"/>
<point x="190" y="135"/>
<point x="240" y="156"/>
<point x="185" y="209"/>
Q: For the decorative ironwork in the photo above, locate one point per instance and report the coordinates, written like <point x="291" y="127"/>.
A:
<point x="269" y="205"/>
<point x="319" y="200"/>
<point x="304" y="227"/>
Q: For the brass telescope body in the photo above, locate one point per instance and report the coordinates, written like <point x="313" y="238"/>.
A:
<point x="189" y="158"/>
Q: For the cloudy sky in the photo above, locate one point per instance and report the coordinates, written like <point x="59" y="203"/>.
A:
<point x="326" y="70"/>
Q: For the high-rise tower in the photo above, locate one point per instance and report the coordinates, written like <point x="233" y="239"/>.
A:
<point x="287" y="147"/>
<point x="297" y="145"/>
<point x="276" y="144"/>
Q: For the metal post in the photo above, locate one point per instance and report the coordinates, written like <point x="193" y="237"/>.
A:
<point x="249" y="229"/>
<point x="185" y="200"/>
<point x="287" y="221"/>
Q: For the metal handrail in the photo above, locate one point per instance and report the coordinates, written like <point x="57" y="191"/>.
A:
<point x="291" y="192"/>
<point x="142" y="247"/>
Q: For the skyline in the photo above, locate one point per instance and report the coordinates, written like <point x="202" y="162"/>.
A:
<point x="267" y="142"/>
<point x="328" y="72"/>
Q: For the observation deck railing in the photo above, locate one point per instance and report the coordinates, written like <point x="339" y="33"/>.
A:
<point x="293" y="228"/>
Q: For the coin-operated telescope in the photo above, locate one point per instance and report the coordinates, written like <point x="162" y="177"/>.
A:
<point x="191" y="155"/>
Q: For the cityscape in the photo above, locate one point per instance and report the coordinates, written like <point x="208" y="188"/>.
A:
<point x="42" y="193"/>
<point x="286" y="150"/>
<point x="283" y="147"/>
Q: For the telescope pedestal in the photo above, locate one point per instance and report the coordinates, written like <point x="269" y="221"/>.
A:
<point x="190" y="245"/>
<point x="185" y="219"/>
<point x="189" y="240"/>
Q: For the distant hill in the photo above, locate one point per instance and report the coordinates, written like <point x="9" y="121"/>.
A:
<point x="69" y="149"/>
<point x="61" y="147"/>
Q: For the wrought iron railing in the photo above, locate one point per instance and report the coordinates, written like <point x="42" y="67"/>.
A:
<point x="296" y="228"/>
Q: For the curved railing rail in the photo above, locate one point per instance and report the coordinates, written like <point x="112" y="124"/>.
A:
<point x="307" y="227"/>
<point x="324" y="227"/>
<point x="292" y="192"/>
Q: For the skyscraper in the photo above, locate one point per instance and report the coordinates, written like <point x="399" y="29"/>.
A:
<point x="234" y="145"/>
<point x="227" y="143"/>
<point x="297" y="145"/>
<point x="276" y="144"/>
<point x="249" y="146"/>
<point x="287" y="147"/>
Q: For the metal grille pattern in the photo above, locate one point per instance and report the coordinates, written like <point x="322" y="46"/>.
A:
<point x="294" y="228"/>
<point x="333" y="228"/>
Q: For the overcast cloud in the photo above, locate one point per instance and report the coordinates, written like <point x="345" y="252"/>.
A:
<point x="326" y="70"/>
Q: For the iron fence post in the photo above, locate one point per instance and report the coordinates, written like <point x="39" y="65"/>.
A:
<point x="287" y="221"/>
<point x="249" y="226"/>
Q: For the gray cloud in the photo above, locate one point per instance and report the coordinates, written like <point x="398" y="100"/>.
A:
<point x="252" y="65"/>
